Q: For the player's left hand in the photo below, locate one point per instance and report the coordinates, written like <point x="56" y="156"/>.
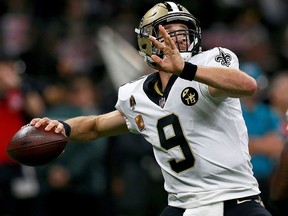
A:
<point x="172" y="61"/>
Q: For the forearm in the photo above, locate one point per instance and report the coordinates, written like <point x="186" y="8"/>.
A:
<point x="226" y="82"/>
<point x="86" y="128"/>
<point x="82" y="128"/>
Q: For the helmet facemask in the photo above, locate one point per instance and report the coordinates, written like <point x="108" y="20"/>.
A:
<point x="189" y="40"/>
<point x="162" y="14"/>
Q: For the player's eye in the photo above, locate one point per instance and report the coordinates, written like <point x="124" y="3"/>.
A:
<point x="172" y="34"/>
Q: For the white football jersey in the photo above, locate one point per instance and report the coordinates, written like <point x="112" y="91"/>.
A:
<point x="200" y="142"/>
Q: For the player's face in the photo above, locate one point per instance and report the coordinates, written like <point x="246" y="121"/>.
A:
<point x="179" y="34"/>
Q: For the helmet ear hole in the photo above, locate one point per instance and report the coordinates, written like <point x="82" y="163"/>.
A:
<point x="144" y="46"/>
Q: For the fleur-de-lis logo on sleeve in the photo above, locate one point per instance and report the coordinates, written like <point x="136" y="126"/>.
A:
<point x="223" y="58"/>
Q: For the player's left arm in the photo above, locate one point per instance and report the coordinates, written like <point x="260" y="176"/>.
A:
<point x="226" y="82"/>
<point x="222" y="81"/>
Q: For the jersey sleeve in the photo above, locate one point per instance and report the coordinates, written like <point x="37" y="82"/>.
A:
<point x="222" y="57"/>
<point x="120" y="108"/>
<point x="123" y="105"/>
<point x="216" y="57"/>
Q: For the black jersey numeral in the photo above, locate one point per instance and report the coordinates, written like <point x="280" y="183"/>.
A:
<point x="177" y="140"/>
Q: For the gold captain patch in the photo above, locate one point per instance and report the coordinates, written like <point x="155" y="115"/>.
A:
<point x="140" y="122"/>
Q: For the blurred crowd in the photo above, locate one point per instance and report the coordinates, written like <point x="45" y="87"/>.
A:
<point x="50" y="65"/>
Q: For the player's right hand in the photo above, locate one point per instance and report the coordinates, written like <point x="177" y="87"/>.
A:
<point x="51" y="124"/>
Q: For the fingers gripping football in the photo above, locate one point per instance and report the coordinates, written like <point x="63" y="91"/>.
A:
<point x="50" y="124"/>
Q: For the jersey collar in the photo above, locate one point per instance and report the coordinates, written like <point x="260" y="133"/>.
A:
<point x="152" y="90"/>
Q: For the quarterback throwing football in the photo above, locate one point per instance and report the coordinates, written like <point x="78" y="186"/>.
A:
<point x="189" y="111"/>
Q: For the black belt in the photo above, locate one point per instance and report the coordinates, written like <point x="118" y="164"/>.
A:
<point x="233" y="202"/>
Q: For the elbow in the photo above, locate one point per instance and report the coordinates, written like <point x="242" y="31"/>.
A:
<point x="251" y="87"/>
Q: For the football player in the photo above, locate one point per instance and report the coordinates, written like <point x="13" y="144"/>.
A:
<point x="189" y="111"/>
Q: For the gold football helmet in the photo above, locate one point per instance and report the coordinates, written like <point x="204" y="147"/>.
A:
<point x="161" y="14"/>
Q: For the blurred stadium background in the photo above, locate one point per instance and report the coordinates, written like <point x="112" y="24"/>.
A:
<point x="68" y="57"/>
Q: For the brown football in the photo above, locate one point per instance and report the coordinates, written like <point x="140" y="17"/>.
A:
<point x="33" y="146"/>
